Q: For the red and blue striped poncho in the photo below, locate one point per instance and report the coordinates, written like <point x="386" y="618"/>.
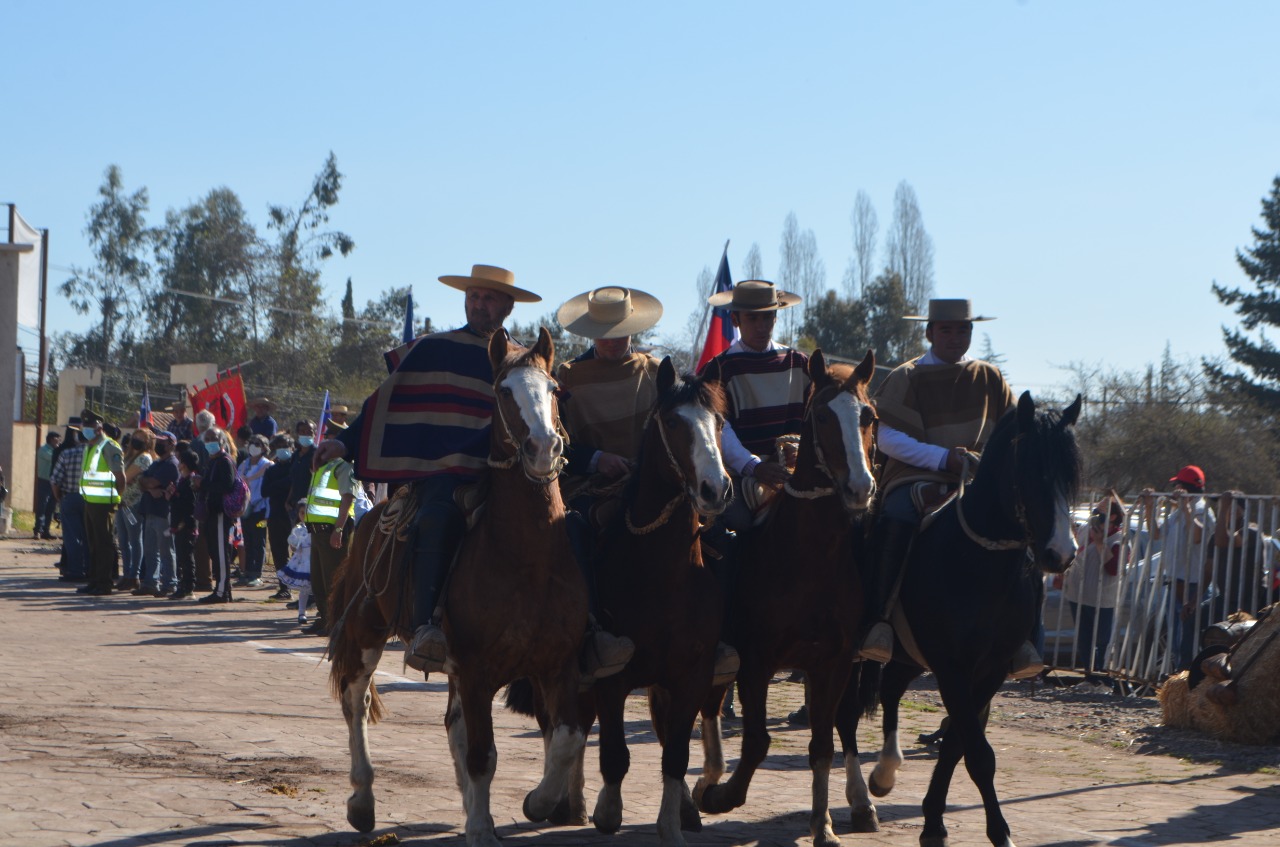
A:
<point x="766" y="394"/>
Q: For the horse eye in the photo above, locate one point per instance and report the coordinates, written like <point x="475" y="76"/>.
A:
<point x="504" y="390"/>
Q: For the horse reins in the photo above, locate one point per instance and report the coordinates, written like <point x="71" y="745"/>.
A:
<point x="669" y="509"/>
<point x="821" y="464"/>
<point x="1020" y="510"/>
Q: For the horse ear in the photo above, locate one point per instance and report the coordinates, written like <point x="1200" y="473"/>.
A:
<point x="1072" y="413"/>
<point x="666" y="375"/>
<point x="711" y="371"/>
<point x="545" y="348"/>
<point x="866" y="368"/>
<point x="1026" y="411"/>
<point x="818" y="369"/>
<point x="498" y="347"/>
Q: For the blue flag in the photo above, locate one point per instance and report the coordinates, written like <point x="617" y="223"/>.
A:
<point x="324" y="416"/>
<point x="144" y="410"/>
<point x="721" y="333"/>
<point x="409" y="334"/>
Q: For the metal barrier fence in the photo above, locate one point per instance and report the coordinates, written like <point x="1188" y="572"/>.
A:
<point x="1183" y="565"/>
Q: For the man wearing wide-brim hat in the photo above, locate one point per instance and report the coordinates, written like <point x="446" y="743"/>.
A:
<point x="339" y="414"/>
<point x="935" y="411"/>
<point x="609" y="391"/>
<point x="436" y="448"/>
<point x="262" y="423"/>
<point x="180" y="426"/>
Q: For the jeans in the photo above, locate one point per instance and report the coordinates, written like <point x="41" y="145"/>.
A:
<point x="74" y="552"/>
<point x="1090" y="653"/>
<point x="45" y="505"/>
<point x="255" y="543"/>
<point x="158" y="562"/>
<point x="129" y="536"/>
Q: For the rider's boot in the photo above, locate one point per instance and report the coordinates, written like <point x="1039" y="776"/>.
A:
<point x="895" y="542"/>
<point x="720" y="549"/>
<point x="439" y="531"/>
<point x="603" y="653"/>
<point x="1026" y="663"/>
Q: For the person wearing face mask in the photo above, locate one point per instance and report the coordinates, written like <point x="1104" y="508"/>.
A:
<point x="101" y="481"/>
<point x="254" y="522"/>
<point x="138" y="456"/>
<point x="204" y="579"/>
<point x="157" y="484"/>
<point x="182" y="523"/>
<point x="275" y="487"/>
<point x="300" y="470"/>
<point x="213" y="486"/>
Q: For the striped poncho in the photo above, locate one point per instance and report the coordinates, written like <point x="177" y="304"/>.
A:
<point x="431" y="415"/>
<point x="766" y="393"/>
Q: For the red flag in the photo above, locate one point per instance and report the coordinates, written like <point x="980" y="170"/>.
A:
<point x="225" y="399"/>
<point x="721" y="333"/>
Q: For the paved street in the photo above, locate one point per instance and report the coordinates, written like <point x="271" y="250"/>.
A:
<point x="129" y="721"/>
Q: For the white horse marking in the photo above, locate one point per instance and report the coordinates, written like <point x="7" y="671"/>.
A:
<point x="861" y="485"/>
<point x="708" y="465"/>
<point x="1062" y="542"/>
<point x="531" y="388"/>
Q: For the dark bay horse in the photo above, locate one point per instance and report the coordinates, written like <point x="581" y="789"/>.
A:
<point x="516" y="607"/>
<point x="654" y="589"/>
<point x="969" y="596"/>
<point x="798" y="594"/>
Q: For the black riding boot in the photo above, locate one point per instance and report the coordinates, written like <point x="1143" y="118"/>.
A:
<point x="603" y="653"/>
<point x="890" y="554"/>
<point x="720" y="554"/>
<point x="439" y="531"/>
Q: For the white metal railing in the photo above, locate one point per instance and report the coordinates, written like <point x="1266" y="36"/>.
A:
<point x="1176" y="576"/>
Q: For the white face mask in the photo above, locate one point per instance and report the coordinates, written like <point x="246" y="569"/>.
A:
<point x="255" y="451"/>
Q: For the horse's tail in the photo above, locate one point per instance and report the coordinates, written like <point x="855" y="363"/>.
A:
<point x="520" y="697"/>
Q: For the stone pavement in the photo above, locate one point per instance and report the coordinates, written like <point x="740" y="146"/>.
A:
<point x="129" y="721"/>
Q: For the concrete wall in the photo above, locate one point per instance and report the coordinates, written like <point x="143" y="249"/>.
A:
<point x="9" y="257"/>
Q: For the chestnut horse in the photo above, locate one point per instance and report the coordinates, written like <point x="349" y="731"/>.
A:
<point x="516" y="604"/>
<point x="654" y="589"/>
<point x="969" y="595"/>
<point x="798" y="593"/>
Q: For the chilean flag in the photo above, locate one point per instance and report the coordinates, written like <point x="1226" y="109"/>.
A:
<point x="721" y="333"/>
<point x="144" y="409"/>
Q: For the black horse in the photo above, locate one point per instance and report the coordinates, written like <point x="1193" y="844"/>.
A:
<point x="969" y="596"/>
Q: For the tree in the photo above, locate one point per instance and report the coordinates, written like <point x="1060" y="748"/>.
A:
<point x="752" y="266"/>
<point x="695" y="326"/>
<point x="1258" y="308"/>
<point x="909" y="249"/>
<point x="990" y="355"/>
<point x="801" y="271"/>
<point x="115" y="286"/>
<point x="837" y="325"/>
<point x="865" y="230"/>
<point x="894" y="340"/>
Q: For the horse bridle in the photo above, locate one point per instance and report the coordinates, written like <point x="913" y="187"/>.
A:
<point x="669" y="509"/>
<point x="1020" y="511"/>
<point x="820" y="464"/>
<point x="510" y="462"/>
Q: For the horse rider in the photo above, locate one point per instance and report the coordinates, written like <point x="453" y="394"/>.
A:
<point x="609" y="391"/>
<point x="936" y="413"/>
<point x="765" y="384"/>
<point x="446" y="378"/>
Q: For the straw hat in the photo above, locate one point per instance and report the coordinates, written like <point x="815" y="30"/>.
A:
<point x="339" y="410"/>
<point x="262" y="401"/>
<point x="180" y="406"/>
<point x="948" y="310"/>
<point x="612" y="312"/>
<point x="754" y="295"/>
<point x="493" y="278"/>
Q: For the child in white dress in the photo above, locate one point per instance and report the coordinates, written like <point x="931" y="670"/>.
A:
<point x="297" y="572"/>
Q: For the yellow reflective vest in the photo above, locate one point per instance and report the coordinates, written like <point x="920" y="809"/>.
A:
<point x="324" y="498"/>
<point x="97" y="482"/>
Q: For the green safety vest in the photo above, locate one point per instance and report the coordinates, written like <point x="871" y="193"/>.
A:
<point x="324" y="498"/>
<point x="97" y="482"/>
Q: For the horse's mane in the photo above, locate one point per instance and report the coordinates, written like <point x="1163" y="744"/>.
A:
<point x="1060" y="459"/>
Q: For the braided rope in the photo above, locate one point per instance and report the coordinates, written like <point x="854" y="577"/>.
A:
<point x="981" y="541"/>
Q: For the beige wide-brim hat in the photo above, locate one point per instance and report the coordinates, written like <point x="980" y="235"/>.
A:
<point x="493" y="278"/>
<point x="948" y="310"/>
<point x="180" y="406"/>
<point x="262" y="401"/>
<point x="755" y="295"/>
<point x="339" y="410"/>
<point x="611" y="312"/>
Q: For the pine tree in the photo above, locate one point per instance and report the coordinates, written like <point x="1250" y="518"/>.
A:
<point x="1260" y="308"/>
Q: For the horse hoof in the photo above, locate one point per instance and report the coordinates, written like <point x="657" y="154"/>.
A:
<point x="690" y="820"/>
<point x="360" y="817"/>
<point x="865" y="820"/>
<point x="876" y="789"/>
<point x="529" y="813"/>
<point x="562" y="815"/>
<point x="715" y="800"/>
<point x="934" y="841"/>
<point x="607" y="825"/>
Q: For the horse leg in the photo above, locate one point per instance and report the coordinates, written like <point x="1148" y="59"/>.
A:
<point x="456" y="728"/>
<point x="676" y="811"/>
<point x="563" y="743"/>
<point x="862" y="812"/>
<point x="615" y="758"/>
<point x="572" y="809"/>
<point x="712" y="749"/>
<point x="826" y="685"/>
<point x="753" y="689"/>
<point x="359" y="699"/>
<point x="479" y="762"/>
<point x="895" y="679"/>
<point x="966" y="724"/>
<point x="980" y="761"/>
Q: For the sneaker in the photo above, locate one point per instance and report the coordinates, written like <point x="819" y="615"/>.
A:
<point x="291" y="605"/>
<point x="727" y="662"/>
<point x="127" y="585"/>
<point x="427" y="650"/>
<point x="283" y="594"/>
<point x="253" y="583"/>
<point x="1025" y="663"/>
<point x="302" y="620"/>
<point x="146" y="591"/>
<point x="878" y="646"/>
<point x="317" y="627"/>
<point x="180" y="594"/>
<point x="215" y="598"/>
<point x="604" y="654"/>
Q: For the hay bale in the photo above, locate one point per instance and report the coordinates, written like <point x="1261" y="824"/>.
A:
<point x="1174" y="697"/>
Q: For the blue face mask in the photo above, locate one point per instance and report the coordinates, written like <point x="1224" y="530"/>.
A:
<point x="89" y="432"/>
<point x="305" y="440"/>
<point x="212" y="447"/>
<point x="283" y="453"/>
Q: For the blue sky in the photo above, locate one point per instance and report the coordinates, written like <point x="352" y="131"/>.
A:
<point x="1085" y="169"/>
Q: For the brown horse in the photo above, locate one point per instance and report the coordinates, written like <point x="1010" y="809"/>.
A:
<point x="654" y="589"/>
<point x="516" y="604"/>
<point x="798" y="594"/>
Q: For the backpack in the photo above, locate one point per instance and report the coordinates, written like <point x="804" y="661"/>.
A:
<point x="235" y="501"/>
